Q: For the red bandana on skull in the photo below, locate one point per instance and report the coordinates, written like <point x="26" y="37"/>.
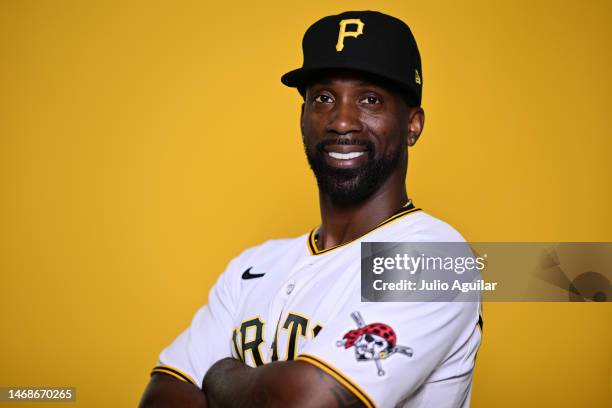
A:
<point x="379" y="329"/>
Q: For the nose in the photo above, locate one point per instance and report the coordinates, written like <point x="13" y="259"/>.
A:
<point x="344" y="119"/>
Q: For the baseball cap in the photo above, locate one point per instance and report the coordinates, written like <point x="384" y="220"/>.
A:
<point x="364" y="41"/>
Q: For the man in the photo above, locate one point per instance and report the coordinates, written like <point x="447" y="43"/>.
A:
<point x="285" y="325"/>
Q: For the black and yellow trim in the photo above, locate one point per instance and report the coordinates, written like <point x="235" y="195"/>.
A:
<point x="312" y="238"/>
<point x="352" y="387"/>
<point x="173" y="372"/>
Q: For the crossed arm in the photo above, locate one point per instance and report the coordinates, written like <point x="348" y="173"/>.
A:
<point x="230" y="383"/>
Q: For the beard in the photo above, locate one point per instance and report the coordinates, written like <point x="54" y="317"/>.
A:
<point x="347" y="187"/>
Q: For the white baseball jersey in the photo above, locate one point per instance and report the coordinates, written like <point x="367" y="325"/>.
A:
<point x="286" y="300"/>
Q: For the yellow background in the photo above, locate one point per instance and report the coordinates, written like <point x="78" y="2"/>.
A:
<point x="144" y="144"/>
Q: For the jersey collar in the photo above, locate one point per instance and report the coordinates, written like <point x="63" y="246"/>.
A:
<point x="402" y="212"/>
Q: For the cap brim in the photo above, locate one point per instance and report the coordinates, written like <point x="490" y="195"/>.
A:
<point x="298" y="78"/>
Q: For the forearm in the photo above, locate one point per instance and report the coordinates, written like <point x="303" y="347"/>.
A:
<point x="232" y="384"/>
<point x="166" y="391"/>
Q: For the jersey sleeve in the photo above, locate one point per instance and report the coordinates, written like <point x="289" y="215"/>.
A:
<point x="385" y="352"/>
<point x="208" y="337"/>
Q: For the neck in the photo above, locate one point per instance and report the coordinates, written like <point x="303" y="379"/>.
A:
<point x="340" y="225"/>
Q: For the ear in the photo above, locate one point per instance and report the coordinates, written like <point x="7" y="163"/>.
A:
<point x="302" y="121"/>
<point x="416" y="122"/>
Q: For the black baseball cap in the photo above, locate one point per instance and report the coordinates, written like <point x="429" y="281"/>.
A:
<point x="370" y="42"/>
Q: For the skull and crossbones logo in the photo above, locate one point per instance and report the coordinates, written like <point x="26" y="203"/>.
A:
<point x="373" y="342"/>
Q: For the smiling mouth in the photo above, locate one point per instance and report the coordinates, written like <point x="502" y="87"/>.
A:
<point x="345" y="156"/>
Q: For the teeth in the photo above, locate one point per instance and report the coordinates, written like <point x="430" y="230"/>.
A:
<point x="345" y="156"/>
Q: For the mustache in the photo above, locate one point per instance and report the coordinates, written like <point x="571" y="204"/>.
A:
<point x="345" y="142"/>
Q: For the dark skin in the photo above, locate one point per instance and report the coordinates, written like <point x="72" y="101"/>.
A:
<point x="341" y="106"/>
<point x="164" y="391"/>
<point x="347" y="106"/>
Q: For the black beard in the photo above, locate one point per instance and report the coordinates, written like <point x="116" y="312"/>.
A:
<point x="347" y="187"/>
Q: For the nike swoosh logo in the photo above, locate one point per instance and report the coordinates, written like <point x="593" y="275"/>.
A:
<point x="248" y="275"/>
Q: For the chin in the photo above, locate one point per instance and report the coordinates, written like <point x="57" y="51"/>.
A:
<point x="344" y="191"/>
<point x="351" y="186"/>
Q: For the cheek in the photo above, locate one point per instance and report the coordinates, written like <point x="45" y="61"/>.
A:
<point x="307" y="130"/>
<point x="386" y="130"/>
<point x="388" y="141"/>
<point x="311" y="125"/>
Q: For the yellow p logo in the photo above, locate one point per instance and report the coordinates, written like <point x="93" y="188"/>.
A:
<point x="342" y="33"/>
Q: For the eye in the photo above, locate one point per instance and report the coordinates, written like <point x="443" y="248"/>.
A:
<point x="379" y="343"/>
<point x="371" y="100"/>
<point x="323" y="98"/>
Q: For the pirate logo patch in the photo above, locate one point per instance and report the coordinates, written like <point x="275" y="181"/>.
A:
<point x="372" y="342"/>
